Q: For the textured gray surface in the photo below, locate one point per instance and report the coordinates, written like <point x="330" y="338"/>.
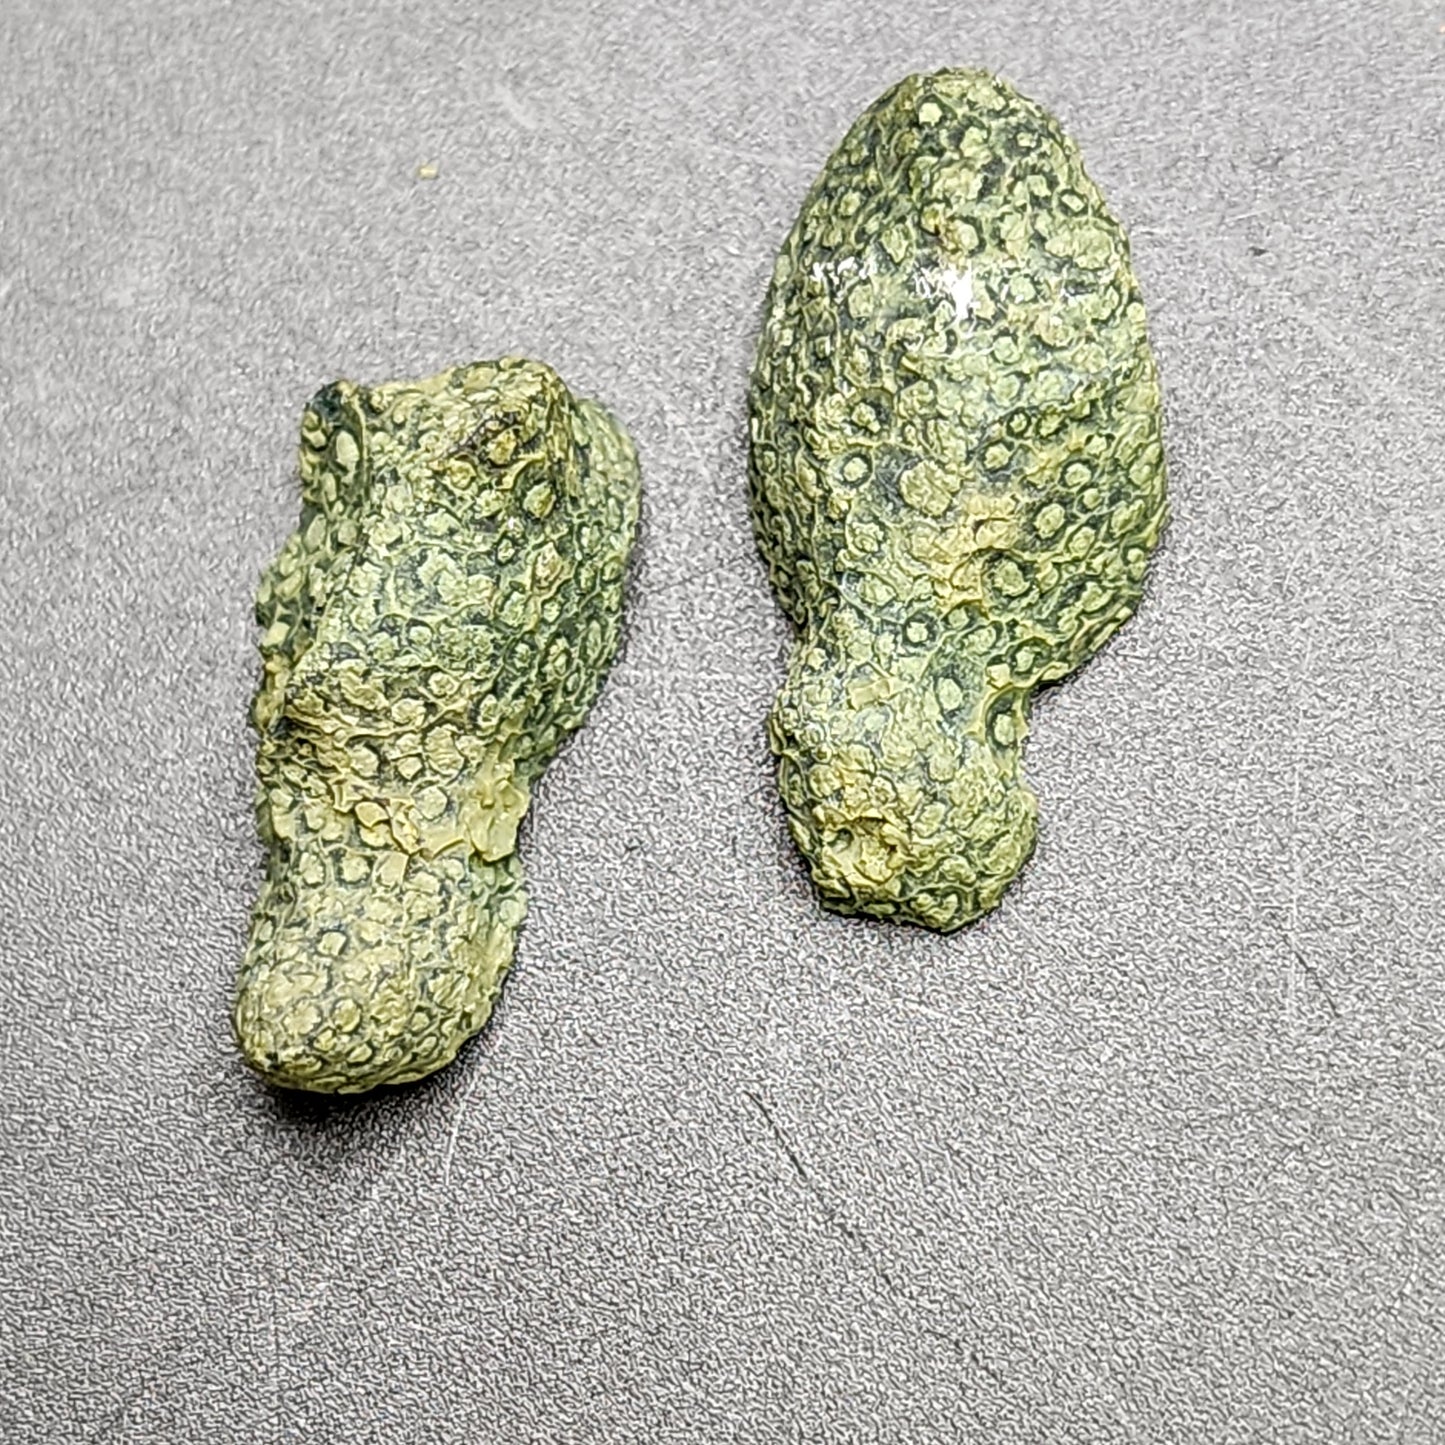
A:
<point x="1154" y="1154"/>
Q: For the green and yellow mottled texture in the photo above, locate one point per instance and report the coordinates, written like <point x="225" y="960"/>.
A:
<point x="435" y="627"/>
<point x="957" y="480"/>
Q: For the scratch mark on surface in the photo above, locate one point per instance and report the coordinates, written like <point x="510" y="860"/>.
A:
<point x="275" y="1361"/>
<point x="782" y="1140"/>
<point x="892" y="1297"/>
<point x="782" y="165"/>
<point x="925" y="1319"/>
<point x="1359" y="359"/>
<point x="1296" y="861"/>
<point x="912" y="1006"/>
<point x="830" y="1212"/>
<point x="451" y="1150"/>
<point x="1412" y="1243"/>
<point x="964" y="1352"/>
<point x="1313" y="975"/>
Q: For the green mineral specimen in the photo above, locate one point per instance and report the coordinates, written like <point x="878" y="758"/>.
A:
<point x="435" y="627"/>
<point x="957" y="479"/>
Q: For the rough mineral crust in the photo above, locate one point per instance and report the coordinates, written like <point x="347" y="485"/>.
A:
<point x="957" y="480"/>
<point x="435" y="627"/>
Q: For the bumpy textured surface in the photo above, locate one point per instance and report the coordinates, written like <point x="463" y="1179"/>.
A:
<point x="957" y="479"/>
<point x="435" y="627"/>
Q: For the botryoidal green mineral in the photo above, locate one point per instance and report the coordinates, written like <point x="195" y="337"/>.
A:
<point x="439" y="622"/>
<point x="957" y="479"/>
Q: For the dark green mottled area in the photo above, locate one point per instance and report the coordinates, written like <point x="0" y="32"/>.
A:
<point x="435" y="627"/>
<point x="957" y="480"/>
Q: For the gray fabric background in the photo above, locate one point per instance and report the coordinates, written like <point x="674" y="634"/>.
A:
<point x="1154" y="1154"/>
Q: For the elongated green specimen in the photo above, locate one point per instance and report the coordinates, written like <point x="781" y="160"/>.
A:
<point x="436" y="626"/>
<point x="957" y="480"/>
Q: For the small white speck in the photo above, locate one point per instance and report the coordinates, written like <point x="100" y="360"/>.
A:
<point x="945" y="281"/>
<point x="960" y="288"/>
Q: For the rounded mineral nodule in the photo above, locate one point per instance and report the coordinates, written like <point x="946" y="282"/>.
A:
<point x="438" y="623"/>
<point x="957" y="477"/>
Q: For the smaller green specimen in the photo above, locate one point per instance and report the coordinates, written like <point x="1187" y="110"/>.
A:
<point x="957" y="479"/>
<point x="433" y="630"/>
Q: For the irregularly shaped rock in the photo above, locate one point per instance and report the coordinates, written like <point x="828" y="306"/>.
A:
<point x="435" y="627"/>
<point x="957" y="480"/>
